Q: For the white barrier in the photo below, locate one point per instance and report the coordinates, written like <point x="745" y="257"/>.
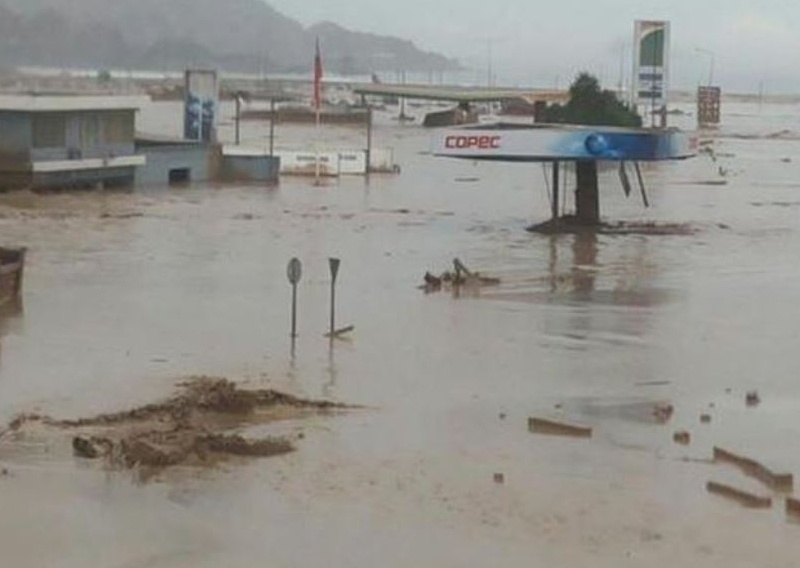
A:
<point x="345" y="162"/>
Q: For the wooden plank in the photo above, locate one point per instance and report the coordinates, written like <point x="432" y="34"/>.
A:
<point x="783" y="482"/>
<point x="742" y="497"/>
<point x="552" y="428"/>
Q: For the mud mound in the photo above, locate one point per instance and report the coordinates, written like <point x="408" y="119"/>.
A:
<point x="202" y="396"/>
<point x="570" y="224"/>
<point x="194" y="427"/>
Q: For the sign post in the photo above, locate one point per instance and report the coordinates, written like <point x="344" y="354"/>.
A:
<point x="333" y="263"/>
<point x="294" y="271"/>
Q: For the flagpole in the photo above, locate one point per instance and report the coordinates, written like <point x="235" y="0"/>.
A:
<point x="316" y="148"/>
<point x="317" y="106"/>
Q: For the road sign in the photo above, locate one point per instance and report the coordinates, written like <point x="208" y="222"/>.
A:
<point x="294" y="271"/>
<point x="334" y="266"/>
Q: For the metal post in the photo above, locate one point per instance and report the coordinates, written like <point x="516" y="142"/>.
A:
<point x="555" y="190"/>
<point x="334" y="266"/>
<point x="271" y="127"/>
<point x="369" y="139"/>
<point x="294" y="310"/>
<point x="238" y="117"/>
<point x="294" y="271"/>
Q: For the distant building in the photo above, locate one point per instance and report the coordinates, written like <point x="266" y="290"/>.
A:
<point x="68" y="141"/>
<point x="62" y="142"/>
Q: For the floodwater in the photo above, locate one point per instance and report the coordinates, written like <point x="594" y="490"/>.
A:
<point x="126" y="294"/>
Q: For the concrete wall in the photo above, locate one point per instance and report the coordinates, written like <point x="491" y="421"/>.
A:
<point x="15" y="135"/>
<point x="346" y="162"/>
<point x="251" y="168"/>
<point x="107" y="177"/>
<point x="161" y="159"/>
<point x="105" y="151"/>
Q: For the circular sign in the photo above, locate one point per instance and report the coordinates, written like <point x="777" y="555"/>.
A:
<point x="294" y="270"/>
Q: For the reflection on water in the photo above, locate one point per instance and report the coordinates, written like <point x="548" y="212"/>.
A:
<point x="130" y="295"/>
<point x="11" y="320"/>
<point x="584" y="263"/>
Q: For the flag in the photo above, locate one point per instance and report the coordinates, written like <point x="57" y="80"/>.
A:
<point x="317" y="78"/>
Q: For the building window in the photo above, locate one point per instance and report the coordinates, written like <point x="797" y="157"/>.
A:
<point x="49" y="130"/>
<point x="118" y="127"/>
<point x="90" y="131"/>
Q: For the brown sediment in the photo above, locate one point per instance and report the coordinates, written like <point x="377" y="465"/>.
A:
<point x="201" y="395"/>
<point x="571" y="224"/>
<point x="552" y="428"/>
<point x="776" y="481"/>
<point x="196" y="426"/>
<point x="742" y="497"/>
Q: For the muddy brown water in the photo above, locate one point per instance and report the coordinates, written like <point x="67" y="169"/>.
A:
<point x="128" y="294"/>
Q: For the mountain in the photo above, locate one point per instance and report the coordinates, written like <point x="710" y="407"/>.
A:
<point x="235" y="35"/>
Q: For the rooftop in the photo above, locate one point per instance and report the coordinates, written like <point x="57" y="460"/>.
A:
<point x="62" y="103"/>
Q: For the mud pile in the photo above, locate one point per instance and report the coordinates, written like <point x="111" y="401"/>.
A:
<point x="197" y="426"/>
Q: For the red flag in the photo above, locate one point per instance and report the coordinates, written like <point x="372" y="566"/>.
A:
<point x="317" y="78"/>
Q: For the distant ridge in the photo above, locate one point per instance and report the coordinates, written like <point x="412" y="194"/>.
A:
<point x="234" y="35"/>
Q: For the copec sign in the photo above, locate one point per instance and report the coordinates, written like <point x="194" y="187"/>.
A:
<point x="479" y="142"/>
<point x="550" y="143"/>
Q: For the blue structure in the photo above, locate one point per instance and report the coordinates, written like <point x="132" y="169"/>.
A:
<point x="583" y="145"/>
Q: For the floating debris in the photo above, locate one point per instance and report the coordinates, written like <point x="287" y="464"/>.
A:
<point x="196" y="426"/>
<point x="499" y="478"/>
<point x="752" y="468"/>
<point x="705" y="418"/>
<point x="552" y="428"/>
<point x="744" y="498"/>
<point x="682" y="437"/>
<point x="663" y="412"/>
<point x="461" y="276"/>
<point x="752" y="398"/>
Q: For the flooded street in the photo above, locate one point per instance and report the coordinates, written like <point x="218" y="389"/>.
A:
<point x="127" y="294"/>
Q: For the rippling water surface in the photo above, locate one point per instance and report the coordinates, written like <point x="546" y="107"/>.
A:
<point x="128" y="293"/>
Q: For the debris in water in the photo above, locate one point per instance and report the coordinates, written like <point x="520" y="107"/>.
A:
<point x="663" y="412"/>
<point x="752" y="468"/>
<point x="682" y="437"/>
<point x="342" y="331"/>
<point x="705" y="418"/>
<point x="752" y="398"/>
<point x="499" y="478"/>
<point x="549" y="427"/>
<point x="742" y="497"/>
<point x="196" y="426"/>
<point x="461" y="276"/>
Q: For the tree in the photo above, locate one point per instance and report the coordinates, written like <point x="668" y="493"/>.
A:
<point x="589" y="104"/>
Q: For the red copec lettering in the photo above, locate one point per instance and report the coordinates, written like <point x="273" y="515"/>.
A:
<point x="474" y="142"/>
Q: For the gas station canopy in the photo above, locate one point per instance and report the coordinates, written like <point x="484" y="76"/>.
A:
<point x="561" y="143"/>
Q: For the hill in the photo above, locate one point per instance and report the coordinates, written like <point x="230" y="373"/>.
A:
<point x="234" y="35"/>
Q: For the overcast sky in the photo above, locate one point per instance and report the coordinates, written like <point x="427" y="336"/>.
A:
<point x="535" y="43"/>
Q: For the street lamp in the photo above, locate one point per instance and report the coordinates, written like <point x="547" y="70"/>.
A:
<point x="710" y="64"/>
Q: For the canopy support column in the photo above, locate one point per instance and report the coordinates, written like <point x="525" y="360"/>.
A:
<point x="556" y="190"/>
<point x="587" y="198"/>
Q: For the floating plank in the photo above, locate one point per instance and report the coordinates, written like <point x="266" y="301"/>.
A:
<point x="783" y="482"/>
<point x="341" y="331"/>
<point x="549" y="427"/>
<point x="742" y="497"/>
